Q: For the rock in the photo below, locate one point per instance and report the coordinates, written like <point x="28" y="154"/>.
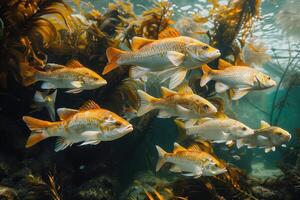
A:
<point x="7" y="193"/>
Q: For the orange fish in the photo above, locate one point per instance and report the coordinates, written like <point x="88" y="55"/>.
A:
<point x="89" y="125"/>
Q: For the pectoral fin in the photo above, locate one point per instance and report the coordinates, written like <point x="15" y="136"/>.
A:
<point x="239" y="93"/>
<point x="164" y="114"/>
<point x="138" y="72"/>
<point x="221" y="87"/>
<point x="175" y="57"/>
<point x="61" y="144"/>
<point x="47" y="85"/>
<point x="177" y="78"/>
<point x="175" y="169"/>
<point x="75" y="91"/>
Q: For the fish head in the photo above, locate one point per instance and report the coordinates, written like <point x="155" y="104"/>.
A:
<point x="92" y="80"/>
<point x="214" y="168"/>
<point x="240" y="130"/>
<point x="279" y="136"/>
<point x="265" y="81"/>
<point x="116" y="126"/>
<point x="202" y="52"/>
<point x="203" y="106"/>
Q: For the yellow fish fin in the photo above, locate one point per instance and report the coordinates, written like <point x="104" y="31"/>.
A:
<point x="65" y="113"/>
<point x="168" y="32"/>
<point x="264" y="124"/>
<point x="221" y="115"/>
<point x="178" y="147"/>
<point x="167" y="92"/>
<point x="113" y="56"/>
<point x="185" y="89"/>
<point x="223" y="64"/>
<point x="194" y="147"/>
<point x="139" y="42"/>
<point x="206" y="75"/>
<point x="181" y="130"/>
<point x="89" y="105"/>
<point x="74" y="64"/>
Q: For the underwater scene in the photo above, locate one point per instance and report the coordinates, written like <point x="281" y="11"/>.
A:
<point x="149" y="100"/>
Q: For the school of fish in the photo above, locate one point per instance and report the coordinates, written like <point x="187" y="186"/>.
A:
<point x="170" y="58"/>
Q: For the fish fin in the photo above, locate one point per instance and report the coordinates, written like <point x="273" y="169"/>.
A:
<point x="163" y="114"/>
<point x="28" y="74"/>
<point x="175" y="169"/>
<point x="185" y="89"/>
<point x="273" y="148"/>
<point x="38" y="130"/>
<point x="47" y="85"/>
<point x="113" y="56"/>
<point x="91" y="142"/>
<point x="39" y="97"/>
<point x="139" y="42"/>
<point x="136" y="72"/>
<point x="221" y="87"/>
<point x="262" y="138"/>
<point x="267" y="150"/>
<point x="74" y="64"/>
<point x="229" y="142"/>
<point x="89" y="105"/>
<point x="190" y="123"/>
<point x="51" y="105"/>
<point x="194" y="147"/>
<point x="181" y="130"/>
<point x="178" y="147"/>
<point x="61" y="144"/>
<point x="264" y="124"/>
<point x="182" y="110"/>
<point x="75" y="90"/>
<point x="189" y="174"/>
<point x="65" y="113"/>
<point x="168" y="32"/>
<point x="77" y="84"/>
<point x="177" y="78"/>
<point x="223" y="64"/>
<point x="167" y="92"/>
<point x="166" y="74"/>
<point x="161" y="157"/>
<point x="206" y="75"/>
<point x="239" y="143"/>
<point x="175" y="57"/>
<point x="239" y="93"/>
<point x="146" y="103"/>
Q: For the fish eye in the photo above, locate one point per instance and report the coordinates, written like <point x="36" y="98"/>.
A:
<point x="118" y="123"/>
<point x="206" y="107"/>
<point x="205" y="47"/>
<point x="244" y="128"/>
<point x="269" y="78"/>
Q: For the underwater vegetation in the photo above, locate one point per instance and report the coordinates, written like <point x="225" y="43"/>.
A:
<point x="82" y="88"/>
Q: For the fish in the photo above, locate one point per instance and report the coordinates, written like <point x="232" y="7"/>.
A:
<point x="241" y="79"/>
<point x="172" y="56"/>
<point x="267" y="137"/>
<point x="192" y="161"/>
<point x="73" y="76"/>
<point x="220" y="129"/>
<point x="88" y="125"/>
<point x="184" y="104"/>
<point x="43" y="99"/>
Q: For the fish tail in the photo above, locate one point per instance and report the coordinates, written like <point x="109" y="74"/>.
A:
<point x="113" y="56"/>
<point x="38" y="130"/>
<point x="28" y="74"/>
<point x="161" y="157"/>
<point x="206" y="75"/>
<point x="146" y="103"/>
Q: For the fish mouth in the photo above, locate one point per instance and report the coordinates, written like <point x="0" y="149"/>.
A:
<point x="128" y="129"/>
<point x="101" y="83"/>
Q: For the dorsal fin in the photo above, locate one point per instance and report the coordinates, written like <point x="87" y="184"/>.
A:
<point x="185" y="89"/>
<point x="167" y="92"/>
<point x="194" y="147"/>
<point x="89" y="105"/>
<point x="74" y="64"/>
<point x="139" y="42"/>
<point x="168" y="32"/>
<point x="65" y="113"/>
<point x="221" y="115"/>
<point x="264" y="124"/>
<point x="223" y="64"/>
<point x="178" y="147"/>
